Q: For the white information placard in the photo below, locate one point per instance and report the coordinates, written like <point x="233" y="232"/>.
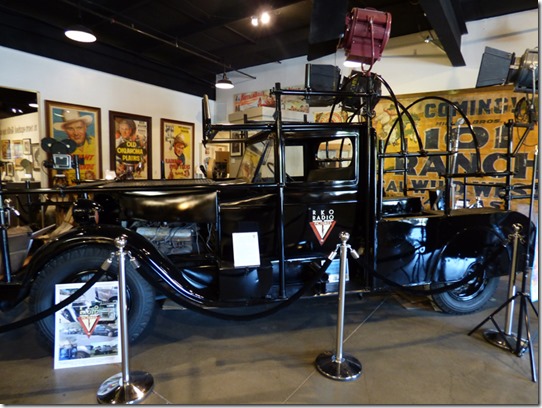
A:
<point x="246" y="250"/>
<point x="87" y="330"/>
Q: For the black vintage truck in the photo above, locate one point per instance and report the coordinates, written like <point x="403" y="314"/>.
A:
<point x="241" y="247"/>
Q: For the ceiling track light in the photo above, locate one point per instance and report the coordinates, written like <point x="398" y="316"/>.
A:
<point x="224" y="83"/>
<point x="80" y="33"/>
<point x="264" y="18"/>
<point x="161" y="37"/>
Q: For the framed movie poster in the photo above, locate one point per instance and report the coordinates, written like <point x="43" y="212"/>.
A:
<point x="177" y="142"/>
<point x="80" y="125"/>
<point x="131" y="145"/>
<point x="6" y="149"/>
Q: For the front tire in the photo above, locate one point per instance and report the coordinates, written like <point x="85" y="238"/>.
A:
<point x="78" y="265"/>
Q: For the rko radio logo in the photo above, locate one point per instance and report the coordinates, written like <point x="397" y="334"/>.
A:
<point x="322" y="223"/>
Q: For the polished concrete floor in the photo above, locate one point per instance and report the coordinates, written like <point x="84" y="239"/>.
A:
<point x="409" y="353"/>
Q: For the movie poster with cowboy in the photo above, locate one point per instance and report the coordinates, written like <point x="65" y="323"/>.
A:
<point x="80" y="126"/>
<point x="177" y="142"/>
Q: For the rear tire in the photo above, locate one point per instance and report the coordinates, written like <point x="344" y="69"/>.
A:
<point x="468" y="298"/>
<point x="79" y="265"/>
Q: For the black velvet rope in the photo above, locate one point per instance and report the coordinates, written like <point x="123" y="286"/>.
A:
<point x="55" y="308"/>
<point x="264" y="313"/>
<point x="478" y="272"/>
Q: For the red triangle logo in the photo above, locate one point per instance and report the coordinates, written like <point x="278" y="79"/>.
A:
<point x="88" y="323"/>
<point x="322" y="229"/>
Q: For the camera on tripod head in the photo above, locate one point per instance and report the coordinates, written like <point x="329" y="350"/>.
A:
<point x="60" y="152"/>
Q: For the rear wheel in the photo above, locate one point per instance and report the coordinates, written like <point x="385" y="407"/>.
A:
<point x="469" y="297"/>
<point x="79" y="265"/>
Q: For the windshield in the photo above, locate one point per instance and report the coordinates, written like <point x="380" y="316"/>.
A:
<point x="257" y="162"/>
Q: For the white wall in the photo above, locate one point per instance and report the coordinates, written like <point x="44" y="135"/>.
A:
<point x="408" y="64"/>
<point x="63" y="82"/>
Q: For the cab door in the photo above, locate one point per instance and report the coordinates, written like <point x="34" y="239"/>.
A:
<point x="320" y="194"/>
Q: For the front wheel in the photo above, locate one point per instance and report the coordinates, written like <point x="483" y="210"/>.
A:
<point x="79" y="265"/>
<point x="468" y="298"/>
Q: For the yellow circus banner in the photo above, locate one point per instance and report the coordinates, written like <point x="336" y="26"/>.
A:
<point x="490" y="111"/>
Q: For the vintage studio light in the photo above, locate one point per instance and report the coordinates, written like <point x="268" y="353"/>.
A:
<point x="366" y="34"/>
<point x="501" y="67"/>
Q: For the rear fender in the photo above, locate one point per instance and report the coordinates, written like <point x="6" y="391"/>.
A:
<point x="469" y="248"/>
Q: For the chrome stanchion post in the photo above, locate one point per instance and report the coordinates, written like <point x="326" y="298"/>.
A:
<point x="507" y="339"/>
<point x="126" y="387"/>
<point x="336" y="365"/>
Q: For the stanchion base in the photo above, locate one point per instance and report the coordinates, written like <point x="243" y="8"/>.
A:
<point x="113" y="391"/>
<point x="499" y="339"/>
<point x="346" y="370"/>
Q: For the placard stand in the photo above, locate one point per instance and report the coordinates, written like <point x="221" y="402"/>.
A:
<point x="126" y="387"/>
<point x="336" y="365"/>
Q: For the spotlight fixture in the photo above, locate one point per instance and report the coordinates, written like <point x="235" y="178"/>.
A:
<point x="80" y="33"/>
<point x="254" y="21"/>
<point x="224" y="83"/>
<point x="366" y="35"/>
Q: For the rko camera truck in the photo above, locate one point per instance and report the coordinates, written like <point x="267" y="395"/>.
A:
<point x="244" y="246"/>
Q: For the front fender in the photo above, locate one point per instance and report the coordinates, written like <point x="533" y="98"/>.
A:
<point x="156" y="268"/>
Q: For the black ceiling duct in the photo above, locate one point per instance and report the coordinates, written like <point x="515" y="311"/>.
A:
<point x="327" y="26"/>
